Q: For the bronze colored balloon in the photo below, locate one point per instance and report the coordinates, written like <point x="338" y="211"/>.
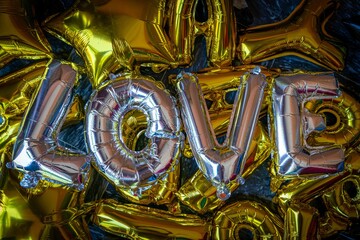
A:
<point x="296" y="35"/>
<point x="109" y="35"/>
<point x="139" y="222"/>
<point x="246" y="217"/>
<point x="199" y="194"/>
<point x="20" y="37"/>
<point x="301" y="222"/>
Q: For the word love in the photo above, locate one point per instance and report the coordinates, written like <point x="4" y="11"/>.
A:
<point x="38" y="155"/>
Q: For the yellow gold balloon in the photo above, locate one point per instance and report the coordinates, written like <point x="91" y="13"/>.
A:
<point x="219" y="30"/>
<point x="110" y="36"/>
<point x="342" y="116"/>
<point x="20" y="37"/>
<point x="296" y="35"/>
<point x="139" y="222"/>
<point x="301" y="222"/>
<point x="246" y="217"/>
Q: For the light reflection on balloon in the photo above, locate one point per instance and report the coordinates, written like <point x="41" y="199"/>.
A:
<point x="249" y="216"/>
<point x="221" y="164"/>
<point x="118" y="163"/>
<point x="198" y="192"/>
<point x="289" y="95"/>
<point x="35" y="152"/>
<point x="296" y="35"/>
<point x="20" y="37"/>
<point x="301" y="222"/>
<point x="138" y="222"/>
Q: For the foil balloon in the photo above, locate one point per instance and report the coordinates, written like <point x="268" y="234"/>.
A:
<point x="219" y="30"/>
<point x="219" y="164"/>
<point x="289" y="94"/>
<point x="109" y="35"/>
<point x="36" y="152"/>
<point x="198" y="193"/>
<point x="139" y="222"/>
<point x="115" y="160"/>
<point x="133" y="127"/>
<point x="20" y="36"/>
<point x="47" y="211"/>
<point x="301" y="222"/>
<point x="246" y="219"/>
<point x="296" y="35"/>
<point x="342" y="118"/>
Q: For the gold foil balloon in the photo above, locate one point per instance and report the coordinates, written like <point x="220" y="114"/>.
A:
<point x="109" y="35"/>
<point x="219" y="30"/>
<point x="248" y="218"/>
<point x="296" y="35"/>
<point x="301" y="222"/>
<point x="139" y="222"/>
<point x="20" y="36"/>
<point x="342" y="116"/>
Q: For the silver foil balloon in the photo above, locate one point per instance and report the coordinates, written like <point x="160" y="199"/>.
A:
<point x="292" y="125"/>
<point x="105" y="112"/>
<point x="221" y="163"/>
<point x="36" y="152"/>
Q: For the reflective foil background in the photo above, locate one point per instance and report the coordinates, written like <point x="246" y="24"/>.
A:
<point x="321" y="204"/>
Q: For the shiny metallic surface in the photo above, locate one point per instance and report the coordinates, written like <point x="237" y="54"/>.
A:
<point x="220" y="163"/>
<point x="105" y="111"/>
<point x="291" y="124"/>
<point x="36" y="152"/>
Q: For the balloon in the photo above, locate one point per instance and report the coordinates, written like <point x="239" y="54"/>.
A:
<point x="343" y="198"/>
<point x="36" y="154"/>
<point x="289" y="93"/>
<point x="133" y="127"/>
<point x="109" y="35"/>
<point x="342" y="116"/>
<point x="301" y="222"/>
<point x="247" y="218"/>
<point x="219" y="30"/>
<point x="219" y="164"/>
<point x="198" y="193"/>
<point x="19" y="36"/>
<point x="218" y="84"/>
<point x="139" y="222"/>
<point x="331" y="224"/>
<point x="117" y="162"/>
<point x="296" y="35"/>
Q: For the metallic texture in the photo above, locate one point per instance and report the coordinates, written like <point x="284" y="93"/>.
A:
<point x="221" y="164"/>
<point x="300" y="34"/>
<point x="36" y="152"/>
<point x="114" y="159"/>
<point x="289" y="95"/>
